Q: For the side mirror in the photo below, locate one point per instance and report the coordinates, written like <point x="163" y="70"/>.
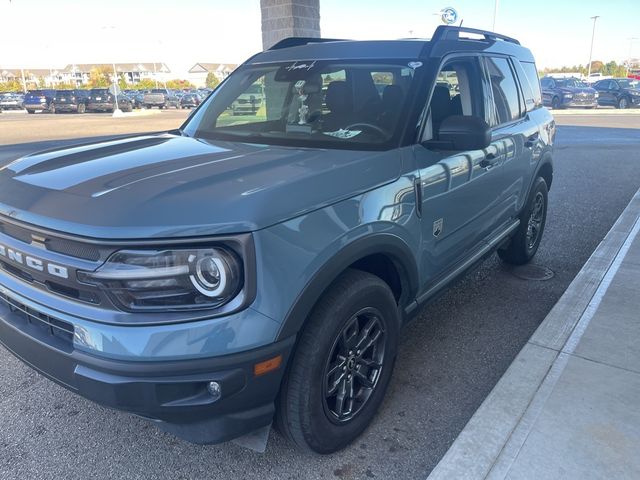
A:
<point x="459" y="132"/>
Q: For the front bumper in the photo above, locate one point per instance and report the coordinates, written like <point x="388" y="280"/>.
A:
<point x="578" y="102"/>
<point x="172" y="393"/>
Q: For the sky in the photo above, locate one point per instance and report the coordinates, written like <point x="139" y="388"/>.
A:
<point x="54" y="33"/>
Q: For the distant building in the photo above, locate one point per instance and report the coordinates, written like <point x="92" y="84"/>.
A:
<point x="133" y="72"/>
<point x="79" y="73"/>
<point x="198" y="73"/>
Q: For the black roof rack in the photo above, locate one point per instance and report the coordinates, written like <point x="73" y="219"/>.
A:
<point x="298" y="41"/>
<point x="449" y="32"/>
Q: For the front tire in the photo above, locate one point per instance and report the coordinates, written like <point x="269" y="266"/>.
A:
<point x="623" y="103"/>
<point x="342" y="365"/>
<point x="555" y="103"/>
<point x="525" y="242"/>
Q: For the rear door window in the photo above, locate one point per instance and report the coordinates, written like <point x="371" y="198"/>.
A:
<point x="506" y="96"/>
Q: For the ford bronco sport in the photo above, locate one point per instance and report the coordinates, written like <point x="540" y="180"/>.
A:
<point x="244" y="269"/>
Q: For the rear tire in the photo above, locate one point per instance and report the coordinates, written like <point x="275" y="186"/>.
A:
<point x="342" y="365"/>
<point x="623" y="103"/>
<point x="525" y="242"/>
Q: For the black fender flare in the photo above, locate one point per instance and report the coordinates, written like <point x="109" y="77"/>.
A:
<point x="380" y="243"/>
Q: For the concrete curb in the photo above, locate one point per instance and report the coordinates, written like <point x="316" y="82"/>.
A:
<point x="483" y="448"/>
<point x="596" y="111"/>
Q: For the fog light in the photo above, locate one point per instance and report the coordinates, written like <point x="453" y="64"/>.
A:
<point x="214" y="389"/>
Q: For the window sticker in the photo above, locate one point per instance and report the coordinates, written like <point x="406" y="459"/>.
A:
<point x="301" y="66"/>
<point x="344" y="134"/>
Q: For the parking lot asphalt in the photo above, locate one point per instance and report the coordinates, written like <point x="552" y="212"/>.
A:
<point x="450" y="357"/>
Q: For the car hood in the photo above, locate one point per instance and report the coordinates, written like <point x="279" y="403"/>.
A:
<point x="164" y="186"/>
<point x="588" y="90"/>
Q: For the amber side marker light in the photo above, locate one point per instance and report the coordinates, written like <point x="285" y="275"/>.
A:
<point x="267" y="366"/>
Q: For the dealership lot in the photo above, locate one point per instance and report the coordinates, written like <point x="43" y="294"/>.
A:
<point x="449" y="361"/>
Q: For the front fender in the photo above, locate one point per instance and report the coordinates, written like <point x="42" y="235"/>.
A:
<point x="387" y="244"/>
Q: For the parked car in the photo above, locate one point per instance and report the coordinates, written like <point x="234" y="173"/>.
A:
<point x="618" y="92"/>
<point x="567" y="92"/>
<point x="100" y="100"/>
<point x="218" y="276"/>
<point x="137" y="97"/>
<point x="161" y="98"/>
<point x="190" y="100"/>
<point x="11" y="101"/>
<point x="250" y="101"/>
<point x="71" y="100"/>
<point x="39" y="101"/>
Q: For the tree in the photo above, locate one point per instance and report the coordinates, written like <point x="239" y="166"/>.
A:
<point x="212" y="81"/>
<point x="179" y="84"/>
<point x="99" y="77"/>
<point x="144" y="84"/>
<point x="122" y="82"/>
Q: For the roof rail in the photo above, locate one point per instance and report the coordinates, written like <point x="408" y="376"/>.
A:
<point x="298" y="41"/>
<point x="449" y="32"/>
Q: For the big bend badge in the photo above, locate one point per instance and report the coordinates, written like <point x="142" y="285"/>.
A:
<point x="437" y="227"/>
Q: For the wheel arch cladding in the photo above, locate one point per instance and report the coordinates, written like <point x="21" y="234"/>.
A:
<point x="384" y="255"/>
<point x="546" y="171"/>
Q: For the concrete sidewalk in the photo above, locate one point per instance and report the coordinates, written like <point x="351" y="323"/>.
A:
<point x="569" y="405"/>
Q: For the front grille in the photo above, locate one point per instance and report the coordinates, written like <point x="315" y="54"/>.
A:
<point x="58" y="245"/>
<point x="61" y="330"/>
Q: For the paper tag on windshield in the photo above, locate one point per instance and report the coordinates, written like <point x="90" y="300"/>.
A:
<point x="344" y="133"/>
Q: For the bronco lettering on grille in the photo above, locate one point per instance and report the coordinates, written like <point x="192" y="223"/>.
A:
<point x="33" y="263"/>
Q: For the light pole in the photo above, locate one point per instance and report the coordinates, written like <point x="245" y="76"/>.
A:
<point x="116" y="110"/>
<point x="495" y="15"/>
<point x="593" y="34"/>
<point x="631" y="39"/>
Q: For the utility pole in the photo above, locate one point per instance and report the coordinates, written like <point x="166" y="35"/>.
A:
<point x="631" y="39"/>
<point x="593" y="34"/>
<point x="495" y="15"/>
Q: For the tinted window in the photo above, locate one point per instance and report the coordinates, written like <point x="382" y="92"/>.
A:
<point x="505" y="91"/>
<point x="546" y="83"/>
<point x="532" y="81"/>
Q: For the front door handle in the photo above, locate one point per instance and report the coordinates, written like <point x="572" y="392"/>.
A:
<point x="488" y="161"/>
<point x="531" y="140"/>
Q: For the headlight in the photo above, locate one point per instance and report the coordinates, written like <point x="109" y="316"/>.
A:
<point x="596" y="95"/>
<point x="568" y="95"/>
<point x="148" y="280"/>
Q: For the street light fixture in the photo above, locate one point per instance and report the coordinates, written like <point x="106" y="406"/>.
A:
<point x="593" y="33"/>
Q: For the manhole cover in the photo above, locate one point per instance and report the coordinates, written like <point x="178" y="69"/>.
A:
<point x="532" y="272"/>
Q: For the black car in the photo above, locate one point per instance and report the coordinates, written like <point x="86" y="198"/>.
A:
<point x="71" y="101"/>
<point x="190" y="100"/>
<point x="567" y="92"/>
<point x="618" y="92"/>
<point x="101" y="100"/>
<point x="39" y="100"/>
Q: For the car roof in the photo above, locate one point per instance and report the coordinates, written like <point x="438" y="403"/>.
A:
<point x="445" y="40"/>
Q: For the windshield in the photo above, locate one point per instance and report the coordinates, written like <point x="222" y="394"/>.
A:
<point x="570" y="82"/>
<point x="308" y="103"/>
<point x="627" y="83"/>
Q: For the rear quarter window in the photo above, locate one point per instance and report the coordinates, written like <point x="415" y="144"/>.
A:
<point x="528" y="76"/>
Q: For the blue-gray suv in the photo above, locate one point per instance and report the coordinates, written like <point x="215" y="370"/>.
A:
<point x="247" y="269"/>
